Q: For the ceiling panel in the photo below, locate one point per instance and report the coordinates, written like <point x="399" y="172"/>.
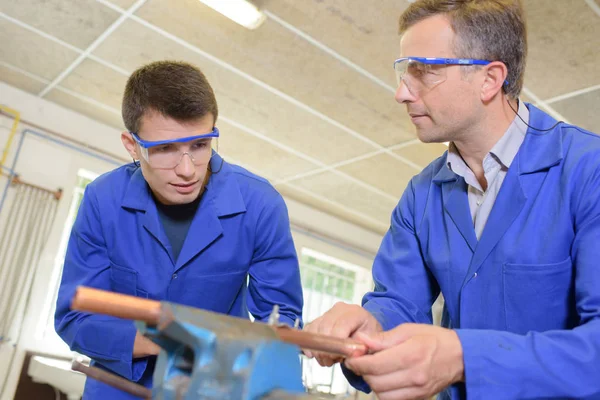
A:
<point x="97" y="81"/>
<point x="422" y="153"/>
<point x="350" y="194"/>
<point x="125" y="4"/>
<point x="133" y="45"/>
<point x="367" y="36"/>
<point x="78" y="23"/>
<point x="20" y="80"/>
<point x="583" y="108"/>
<point x="284" y="123"/>
<point x="32" y="52"/>
<point x="288" y="63"/>
<point x="259" y="155"/>
<point x="332" y="208"/>
<point x="563" y="55"/>
<point x="69" y="101"/>
<point x="523" y="96"/>
<point x="383" y="172"/>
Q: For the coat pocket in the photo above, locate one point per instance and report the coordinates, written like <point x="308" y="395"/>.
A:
<point x="215" y="293"/>
<point x="125" y="280"/>
<point x="539" y="297"/>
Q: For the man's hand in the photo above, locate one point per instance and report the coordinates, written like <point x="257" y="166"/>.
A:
<point x="342" y="321"/>
<point x="412" y="361"/>
<point x="144" y="347"/>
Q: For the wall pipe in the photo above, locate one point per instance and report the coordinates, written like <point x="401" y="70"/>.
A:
<point x="13" y="131"/>
<point x="12" y="170"/>
<point x="75" y="147"/>
<point x="49" y="138"/>
<point x="67" y="139"/>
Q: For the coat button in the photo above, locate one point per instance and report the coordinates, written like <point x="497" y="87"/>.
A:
<point x="174" y="276"/>
<point x="475" y="275"/>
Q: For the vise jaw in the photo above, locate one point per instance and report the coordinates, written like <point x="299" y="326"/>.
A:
<point x="211" y="356"/>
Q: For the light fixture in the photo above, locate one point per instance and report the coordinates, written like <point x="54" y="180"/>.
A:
<point x="241" y="11"/>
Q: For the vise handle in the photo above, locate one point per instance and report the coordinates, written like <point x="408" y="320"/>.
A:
<point x="113" y="380"/>
<point x="149" y="311"/>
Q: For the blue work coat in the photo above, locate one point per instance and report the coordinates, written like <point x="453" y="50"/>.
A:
<point x="525" y="298"/>
<point x="118" y="243"/>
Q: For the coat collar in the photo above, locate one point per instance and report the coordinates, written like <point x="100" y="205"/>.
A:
<point x="539" y="151"/>
<point x="222" y="190"/>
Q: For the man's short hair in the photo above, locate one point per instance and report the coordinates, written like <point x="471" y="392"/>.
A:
<point x="491" y="30"/>
<point x="177" y="90"/>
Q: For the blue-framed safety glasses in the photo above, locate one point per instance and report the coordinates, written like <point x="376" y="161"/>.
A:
<point x="421" y="74"/>
<point x="167" y="154"/>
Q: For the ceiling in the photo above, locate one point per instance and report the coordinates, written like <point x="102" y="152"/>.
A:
<point x="305" y="100"/>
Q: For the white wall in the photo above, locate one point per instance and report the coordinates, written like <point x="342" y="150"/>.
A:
<point x="51" y="166"/>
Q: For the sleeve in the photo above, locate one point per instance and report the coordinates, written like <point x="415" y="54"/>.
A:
<point x="107" y="340"/>
<point x="274" y="270"/>
<point x="405" y="289"/>
<point x="552" y="364"/>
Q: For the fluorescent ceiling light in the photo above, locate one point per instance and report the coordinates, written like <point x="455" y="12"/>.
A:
<point x="240" y="11"/>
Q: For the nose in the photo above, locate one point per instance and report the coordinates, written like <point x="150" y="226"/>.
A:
<point x="403" y="93"/>
<point x="185" y="168"/>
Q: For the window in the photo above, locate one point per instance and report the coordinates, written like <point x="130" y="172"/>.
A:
<point x="327" y="280"/>
<point x="47" y="329"/>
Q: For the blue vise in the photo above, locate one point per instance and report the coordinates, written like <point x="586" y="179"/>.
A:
<point x="209" y="356"/>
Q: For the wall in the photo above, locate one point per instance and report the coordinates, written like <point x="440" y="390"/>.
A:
<point x="50" y="165"/>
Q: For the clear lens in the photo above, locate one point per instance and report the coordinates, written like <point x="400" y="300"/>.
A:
<point x="168" y="156"/>
<point x="417" y="76"/>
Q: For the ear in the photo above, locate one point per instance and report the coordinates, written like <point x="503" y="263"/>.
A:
<point x="495" y="76"/>
<point x="129" y="145"/>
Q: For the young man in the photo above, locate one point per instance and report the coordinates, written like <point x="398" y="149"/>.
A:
<point x="506" y="225"/>
<point x="183" y="225"/>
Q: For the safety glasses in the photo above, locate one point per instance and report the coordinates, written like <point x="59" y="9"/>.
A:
<point x="421" y="74"/>
<point x="167" y="154"/>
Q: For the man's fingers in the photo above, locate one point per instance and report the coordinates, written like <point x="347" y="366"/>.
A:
<point x="327" y="360"/>
<point x="375" y="341"/>
<point x="406" y="378"/>
<point x="344" y="327"/>
<point x="403" y="394"/>
<point x="324" y="323"/>
<point x="361" y="366"/>
<point x="312" y="327"/>
<point x="385" y="361"/>
<point x="407" y="362"/>
<point x="378" y="341"/>
<point x="341" y="321"/>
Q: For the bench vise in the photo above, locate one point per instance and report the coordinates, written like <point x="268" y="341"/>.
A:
<point x="210" y="356"/>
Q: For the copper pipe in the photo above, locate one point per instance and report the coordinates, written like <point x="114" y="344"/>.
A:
<point x="113" y="380"/>
<point x="149" y="311"/>
<point x="322" y="343"/>
<point x="116" y="304"/>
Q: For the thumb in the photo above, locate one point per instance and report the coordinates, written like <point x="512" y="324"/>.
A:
<point x="378" y="341"/>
